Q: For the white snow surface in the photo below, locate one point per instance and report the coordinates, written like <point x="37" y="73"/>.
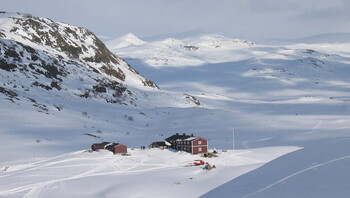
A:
<point x="146" y="173"/>
<point x="276" y="97"/>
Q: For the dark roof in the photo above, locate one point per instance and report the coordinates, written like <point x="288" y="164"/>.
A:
<point x="102" y="144"/>
<point x="178" y="136"/>
<point x="116" y="144"/>
<point x="160" y="143"/>
<point x="112" y="146"/>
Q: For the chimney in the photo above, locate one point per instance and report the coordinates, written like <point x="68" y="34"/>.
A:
<point x="184" y="134"/>
<point x="191" y="134"/>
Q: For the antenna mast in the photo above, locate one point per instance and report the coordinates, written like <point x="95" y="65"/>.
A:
<point x="233" y="138"/>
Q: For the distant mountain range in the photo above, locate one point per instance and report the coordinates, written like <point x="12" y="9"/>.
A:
<point x="190" y="51"/>
<point x="339" y="37"/>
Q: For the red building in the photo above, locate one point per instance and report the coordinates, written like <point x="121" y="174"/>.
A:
<point x="119" y="149"/>
<point x="188" y="143"/>
<point x="114" y="147"/>
<point x="194" y="145"/>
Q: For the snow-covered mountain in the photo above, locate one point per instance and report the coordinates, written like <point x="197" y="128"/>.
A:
<point x="124" y="41"/>
<point x="42" y="57"/>
<point x="192" y="51"/>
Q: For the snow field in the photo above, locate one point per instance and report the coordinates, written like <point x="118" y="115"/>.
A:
<point x="145" y="173"/>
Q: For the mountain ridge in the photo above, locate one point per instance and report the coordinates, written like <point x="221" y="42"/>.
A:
<point x="63" y="57"/>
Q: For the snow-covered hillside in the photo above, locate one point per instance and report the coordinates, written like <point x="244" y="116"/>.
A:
<point x="38" y="54"/>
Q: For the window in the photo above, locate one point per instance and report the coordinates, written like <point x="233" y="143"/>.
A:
<point x="199" y="149"/>
<point x="199" y="142"/>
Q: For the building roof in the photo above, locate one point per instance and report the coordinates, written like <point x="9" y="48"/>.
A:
<point x="102" y="144"/>
<point x="167" y="143"/>
<point x="191" y="138"/>
<point x="163" y="143"/>
<point x="178" y="137"/>
<point x="114" y="144"/>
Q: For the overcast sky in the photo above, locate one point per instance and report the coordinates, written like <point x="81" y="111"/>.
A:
<point x="247" y="19"/>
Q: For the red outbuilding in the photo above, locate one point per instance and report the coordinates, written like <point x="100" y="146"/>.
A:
<point x="114" y="147"/>
<point x="119" y="149"/>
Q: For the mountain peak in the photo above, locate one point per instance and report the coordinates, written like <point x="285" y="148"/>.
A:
<point x="124" y="41"/>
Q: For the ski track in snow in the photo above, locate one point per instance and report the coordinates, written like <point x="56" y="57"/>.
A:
<point x="316" y="127"/>
<point x="39" y="164"/>
<point x="36" y="188"/>
<point x="324" y="130"/>
<point x="104" y="164"/>
<point x="295" y="174"/>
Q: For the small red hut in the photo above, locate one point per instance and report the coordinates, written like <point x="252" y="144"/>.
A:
<point x="120" y="149"/>
<point x="117" y="148"/>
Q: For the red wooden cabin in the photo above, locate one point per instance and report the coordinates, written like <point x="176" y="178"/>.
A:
<point x="119" y="149"/>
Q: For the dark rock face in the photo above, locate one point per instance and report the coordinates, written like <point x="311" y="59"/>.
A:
<point x="6" y="66"/>
<point x="15" y="55"/>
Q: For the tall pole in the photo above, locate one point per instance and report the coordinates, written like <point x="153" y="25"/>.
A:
<point x="233" y="138"/>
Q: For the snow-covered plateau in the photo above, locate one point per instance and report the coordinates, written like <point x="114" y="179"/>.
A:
<point x="62" y="90"/>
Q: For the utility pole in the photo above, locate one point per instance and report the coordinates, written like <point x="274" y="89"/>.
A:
<point x="233" y="138"/>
